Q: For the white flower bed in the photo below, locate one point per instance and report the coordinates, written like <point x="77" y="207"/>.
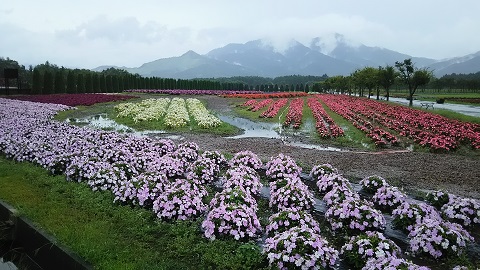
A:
<point x="201" y="115"/>
<point x="147" y="110"/>
<point x="177" y="114"/>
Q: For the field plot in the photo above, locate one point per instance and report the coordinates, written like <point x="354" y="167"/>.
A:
<point x="268" y="211"/>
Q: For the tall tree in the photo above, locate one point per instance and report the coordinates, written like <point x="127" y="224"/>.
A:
<point x="37" y="82"/>
<point x="412" y="77"/>
<point x="59" y="81"/>
<point x="386" y="78"/>
<point x="71" y="82"/>
<point x="47" y="82"/>
<point x="88" y="83"/>
<point x="80" y="83"/>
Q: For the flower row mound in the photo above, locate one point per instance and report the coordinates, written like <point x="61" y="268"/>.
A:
<point x="294" y="240"/>
<point x="295" y="113"/>
<point x="171" y="180"/>
<point x="147" y="110"/>
<point x="201" y="115"/>
<point x="324" y="124"/>
<point x="74" y="99"/>
<point x="274" y="108"/>
<point x="351" y="112"/>
<point x="174" y="112"/>
<point x="426" y="129"/>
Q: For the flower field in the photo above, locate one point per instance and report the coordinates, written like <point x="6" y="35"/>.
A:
<point x="173" y="113"/>
<point x="229" y="196"/>
<point x="385" y="124"/>
<point x="191" y="92"/>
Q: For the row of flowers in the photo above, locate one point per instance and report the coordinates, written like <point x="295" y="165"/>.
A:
<point x="294" y="240"/>
<point x="201" y="115"/>
<point x="74" y="99"/>
<point x="148" y="110"/>
<point x="325" y="125"/>
<point x="295" y="113"/>
<point x="350" y="111"/>
<point x="426" y="129"/>
<point x="274" y="108"/>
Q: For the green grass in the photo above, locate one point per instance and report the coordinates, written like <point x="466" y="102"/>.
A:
<point x="111" y="236"/>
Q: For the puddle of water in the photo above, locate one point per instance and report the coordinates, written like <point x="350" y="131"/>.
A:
<point x="251" y="128"/>
<point x="317" y="147"/>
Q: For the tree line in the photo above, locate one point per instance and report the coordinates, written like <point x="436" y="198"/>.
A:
<point x="49" y="78"/>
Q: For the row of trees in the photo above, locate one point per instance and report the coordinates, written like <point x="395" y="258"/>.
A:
<point x="373" y="79"/>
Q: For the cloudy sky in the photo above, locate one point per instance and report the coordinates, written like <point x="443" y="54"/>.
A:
<point x="90" y="33"/>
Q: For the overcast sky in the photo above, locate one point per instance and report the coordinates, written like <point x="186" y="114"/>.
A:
<point x="90" y="33"/>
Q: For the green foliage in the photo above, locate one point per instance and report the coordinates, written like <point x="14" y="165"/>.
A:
<point x="80" y="83"/>
<point x="59" y="81"/>
<point x="37" y="85"/>
<point x="412" y="76"/>
<point x="71" y="82"/>
<point x="47" y="82"/>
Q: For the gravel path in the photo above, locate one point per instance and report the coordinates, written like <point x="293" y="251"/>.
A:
<point x="413" y="171"/>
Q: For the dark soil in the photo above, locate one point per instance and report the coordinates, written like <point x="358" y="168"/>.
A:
<point x="413" y="171"/>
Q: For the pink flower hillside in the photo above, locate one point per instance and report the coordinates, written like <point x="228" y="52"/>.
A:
<point x="247" y="158"/>
<point x="141" y="190"/>
<point x="300" y="248"/>
<point x="180" y="200"/>
<point x="408" y="214"/>
<point x="321" y="170"/>
<point x="232" y="220"/>
<point x="354" y="216"/>
<point x="392" y="263"/>
<point x="282" y="166"/>
<point x="370" y="184"/>
<point x="387" y="198"/>
<point x="245" y="177"/>
<point x="203" y="171"/>
<point x="340" y="193"/>
<point x="438" y="239"/>
<point x="290" y="193"/>
<point x="465" y="211"/>
<point x="289" y="218"/>
<point x="368" y="245"/>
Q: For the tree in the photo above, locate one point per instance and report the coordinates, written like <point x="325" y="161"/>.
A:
<point x="37" y="82"/>
<point x="59" y="81"/>
<point x="386" y="78"/>
<point x="80" y="83"/>
<point x="412" y="77"/>
<point x="71" y="85"/>
<point x="88" y="83"/>
<point x="47" y="82"/>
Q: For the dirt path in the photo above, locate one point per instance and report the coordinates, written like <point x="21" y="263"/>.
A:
<point x="410" y="170"/>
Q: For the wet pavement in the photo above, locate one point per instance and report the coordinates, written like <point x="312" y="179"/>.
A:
<point x="460" y="108"/>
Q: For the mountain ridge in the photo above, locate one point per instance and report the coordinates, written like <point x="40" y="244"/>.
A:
<point x="336" y="56"/>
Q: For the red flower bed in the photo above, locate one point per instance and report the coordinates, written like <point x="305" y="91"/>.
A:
<point x="74" y="99"/>
<point x="274" y="108"/>
<point x="260" y="104"/>
<point x="425" y="128"/>
<point x="295" y="113"/>
<point x="249" y="103"/>
<point x="268" y="95"/>
<point x="325" y="125"/>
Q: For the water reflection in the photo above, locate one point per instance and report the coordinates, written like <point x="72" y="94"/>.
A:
<point x="251" y="128"/>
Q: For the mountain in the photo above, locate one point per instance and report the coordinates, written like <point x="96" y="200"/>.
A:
<point x="334" y="55"/>
<point x="465" y="64"/>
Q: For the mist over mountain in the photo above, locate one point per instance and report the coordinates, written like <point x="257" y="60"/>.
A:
<point x="333" y="55"/>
